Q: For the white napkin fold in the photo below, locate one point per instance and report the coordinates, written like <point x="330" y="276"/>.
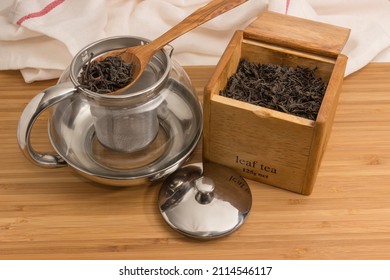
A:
<point x="40" y="37"/>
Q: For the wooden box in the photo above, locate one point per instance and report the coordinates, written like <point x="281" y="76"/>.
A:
<point x="272" y="147"/>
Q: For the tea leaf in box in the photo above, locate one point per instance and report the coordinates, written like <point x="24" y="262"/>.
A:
<point x="296" y="91"/>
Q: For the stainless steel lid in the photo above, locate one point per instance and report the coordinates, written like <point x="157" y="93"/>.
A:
<point x="205" y="201"/>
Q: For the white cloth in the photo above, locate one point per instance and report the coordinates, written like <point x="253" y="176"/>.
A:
<point x="40" y="37"/>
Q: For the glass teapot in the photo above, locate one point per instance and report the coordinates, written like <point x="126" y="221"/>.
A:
<point x="133" y="138"/>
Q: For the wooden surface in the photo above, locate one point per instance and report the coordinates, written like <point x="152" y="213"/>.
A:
<point x="57" y="214"/>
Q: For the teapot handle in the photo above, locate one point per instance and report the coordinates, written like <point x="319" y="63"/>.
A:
<point x="31" y="112"/>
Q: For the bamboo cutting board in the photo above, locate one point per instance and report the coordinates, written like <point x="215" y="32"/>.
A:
<point x="57" y="214"/>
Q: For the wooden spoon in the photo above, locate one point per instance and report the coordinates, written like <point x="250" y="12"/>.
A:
<point x="140" y="56"/>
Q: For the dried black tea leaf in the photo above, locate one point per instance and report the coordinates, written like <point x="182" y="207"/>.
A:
<point x="107" y="75"/>
<point x="296" y="91"/>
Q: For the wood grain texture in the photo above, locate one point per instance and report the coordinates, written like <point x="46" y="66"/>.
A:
<point x="57" y="214"/>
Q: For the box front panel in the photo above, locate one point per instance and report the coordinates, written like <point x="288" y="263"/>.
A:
<point x="259" y="146"/>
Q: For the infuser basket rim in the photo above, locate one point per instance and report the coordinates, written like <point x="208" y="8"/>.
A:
<point x="95" y="95"/>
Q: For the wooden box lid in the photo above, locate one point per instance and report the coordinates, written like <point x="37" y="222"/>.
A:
<point x="297" y="33"/>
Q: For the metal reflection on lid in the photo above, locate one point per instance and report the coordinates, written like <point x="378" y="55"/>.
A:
<point x="205" y="201"/>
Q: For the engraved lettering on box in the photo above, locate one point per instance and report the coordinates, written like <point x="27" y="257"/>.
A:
<point x="255" y="168"/>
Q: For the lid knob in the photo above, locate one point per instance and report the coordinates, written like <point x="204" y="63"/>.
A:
<point x="205" y="187"/>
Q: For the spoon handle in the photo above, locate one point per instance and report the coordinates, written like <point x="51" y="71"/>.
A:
<point x="211" y="10"/>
